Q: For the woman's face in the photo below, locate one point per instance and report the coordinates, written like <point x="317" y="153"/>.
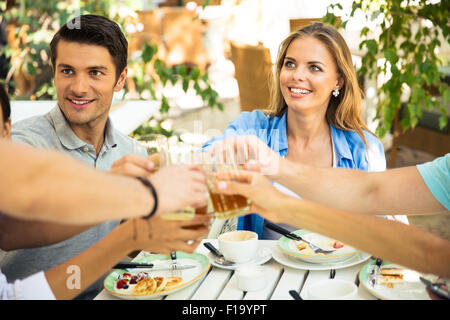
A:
<point x="308" y="75"/>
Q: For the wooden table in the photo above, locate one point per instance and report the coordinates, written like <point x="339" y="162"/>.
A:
<point x="221" y="284"/>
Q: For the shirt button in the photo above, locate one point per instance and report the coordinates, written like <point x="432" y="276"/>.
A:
<point x="85" y="149"/>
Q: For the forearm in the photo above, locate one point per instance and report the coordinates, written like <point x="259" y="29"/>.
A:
<point x="38" y="234"/>
<point x="390" y="240"/>
<point x="92" y="264"/>
<point x="45" y="184"/>
<point x="395" y="191"/>
<point x="349" y="190"/>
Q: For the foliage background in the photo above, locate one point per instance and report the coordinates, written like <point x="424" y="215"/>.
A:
<point x="403" y="49"/>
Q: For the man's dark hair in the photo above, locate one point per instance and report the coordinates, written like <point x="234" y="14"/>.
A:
<point x="4" y="101"/>
<point x="94" y="30"/>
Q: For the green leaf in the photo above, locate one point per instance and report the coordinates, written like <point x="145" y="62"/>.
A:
<point x="164" y="105"/>
<point x="30" y="68"/>
<point x="446" y="95"/>
<point x="185" y="85"/>
<point x="148" y="52"/>
<point x="442" y="121"/>
<point x="372" y="46"/>
<point x="195" y="73"/>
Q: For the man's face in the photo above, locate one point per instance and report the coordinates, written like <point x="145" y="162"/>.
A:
<point x="85" y="81"/>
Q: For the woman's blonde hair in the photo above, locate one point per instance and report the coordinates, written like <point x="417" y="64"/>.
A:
<point x="344" y="111"/>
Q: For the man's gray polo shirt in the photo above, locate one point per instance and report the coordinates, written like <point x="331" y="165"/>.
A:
<point x="52" y="131"/>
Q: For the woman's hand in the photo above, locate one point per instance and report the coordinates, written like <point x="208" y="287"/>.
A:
<point x="250" y="151"/>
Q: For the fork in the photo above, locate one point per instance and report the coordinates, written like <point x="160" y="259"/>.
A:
<point x="315" y="248"/>
<point x="295" y="237"/>
<point x="175" y="271"/>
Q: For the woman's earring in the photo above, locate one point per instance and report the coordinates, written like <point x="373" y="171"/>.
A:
<point x="335" y="92"/>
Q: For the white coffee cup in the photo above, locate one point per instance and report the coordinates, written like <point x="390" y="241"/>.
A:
<point x="238" y="246"/>
<point x="251" y="277"/>
<point x="332" y="289"/>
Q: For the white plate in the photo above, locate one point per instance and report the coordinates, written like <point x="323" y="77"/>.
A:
<point x="410" y="289"/>
<point x="189" y="276"/>
<point x="303" y="265"/>
<point x="263" y="255"/>
<point x="289" y="247"/>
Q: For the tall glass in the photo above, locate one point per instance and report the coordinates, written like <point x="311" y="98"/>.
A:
<point x="183" y="153"/>
<point x="225" y="206"/>
<point x="157" y="147"/>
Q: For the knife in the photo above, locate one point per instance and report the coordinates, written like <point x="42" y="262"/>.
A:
<point x="437" y="288"/>
<point x="134" y="265"/>
<point x="282" y="231"/>
<point x="375" y="272"/>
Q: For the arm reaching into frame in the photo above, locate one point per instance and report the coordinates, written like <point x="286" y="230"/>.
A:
<point x="72" y="277"/>
<point x="155" y="235"/>
<point x="390" y="240"/>
<point x="41" y="184"/>
<point x="394" y="191"/>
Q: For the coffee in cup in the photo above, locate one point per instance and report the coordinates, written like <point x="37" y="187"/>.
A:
<point x="238" y="246"/>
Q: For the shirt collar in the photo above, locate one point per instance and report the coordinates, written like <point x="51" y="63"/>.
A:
<point x="340" y="143"/>
<point x="110" y="139"/>
<point x="63" y="130"/>
<point x="69" y="139"/>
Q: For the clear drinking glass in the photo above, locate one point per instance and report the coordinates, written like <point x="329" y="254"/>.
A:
<point x="183" y="153"/>
<point x="157" y="148"/>
<point x="225" y="206"/>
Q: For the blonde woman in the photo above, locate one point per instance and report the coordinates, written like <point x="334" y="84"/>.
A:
<point x="314" y="116"/>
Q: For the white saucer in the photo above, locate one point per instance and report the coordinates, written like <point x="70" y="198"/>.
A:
<point x="263" y="255"/>
<point x="303" y="265"/>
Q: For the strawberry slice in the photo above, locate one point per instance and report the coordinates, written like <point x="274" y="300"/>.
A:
<point x="337" y="245"/>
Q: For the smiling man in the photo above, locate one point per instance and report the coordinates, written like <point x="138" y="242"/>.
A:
<point x="89" y="65"/>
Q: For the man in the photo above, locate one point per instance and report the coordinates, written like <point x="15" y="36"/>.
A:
<point x="115" y="197"/>
<point x="89" y="65"/>
<point x="423" y="189"/>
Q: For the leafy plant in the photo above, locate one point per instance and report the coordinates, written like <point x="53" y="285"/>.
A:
<point x="147" y="71"/>
<point x="403" y="48"/>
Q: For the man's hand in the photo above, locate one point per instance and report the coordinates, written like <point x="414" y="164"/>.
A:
<point x="134" y="166"/>
<point x="179" y="186"/>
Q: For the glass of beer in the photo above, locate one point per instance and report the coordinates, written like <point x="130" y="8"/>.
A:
<point x="183" y="153"/>
<point x="157" y="147"/>
<point x="225" y="206"/>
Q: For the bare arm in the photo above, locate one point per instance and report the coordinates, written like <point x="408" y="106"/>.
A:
<point x="37" y="233"/>
<point x="38" y="184"/>
<point x="393" y="241"/>
<point x="49" y="186"/>
<point x="395" y="191"/>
